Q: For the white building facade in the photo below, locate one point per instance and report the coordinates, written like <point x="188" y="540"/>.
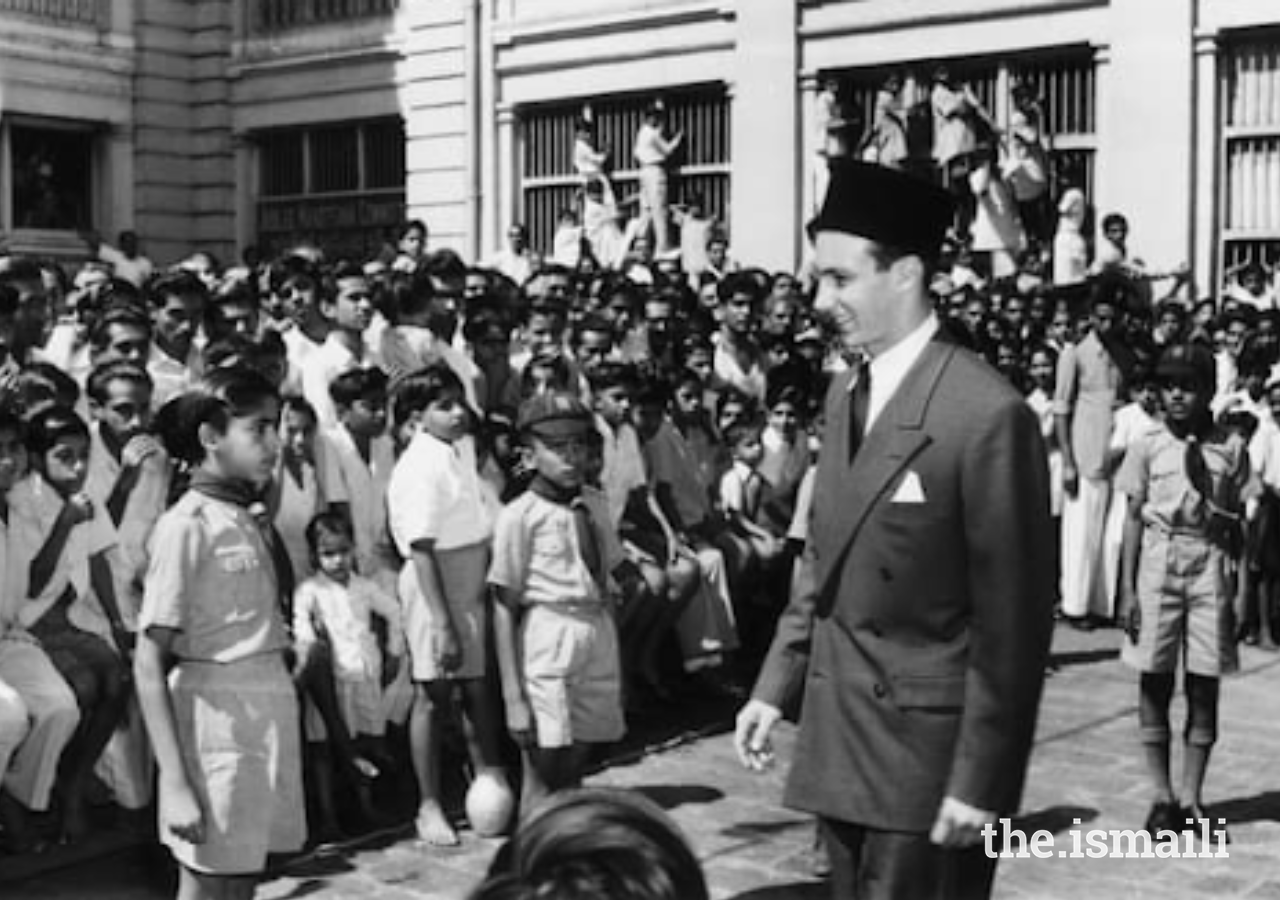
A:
<point x="224" y="123"/>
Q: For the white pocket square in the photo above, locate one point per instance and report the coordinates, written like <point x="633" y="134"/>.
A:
<point x="909" y="490"/>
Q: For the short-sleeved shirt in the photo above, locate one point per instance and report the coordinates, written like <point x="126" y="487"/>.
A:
<point x="435" y="494"/>
<point x="1087" y="386"/>
<point x="34" y="507"/>
<point x="343" y="612"/>
<point x="347" y="478"/>
<point x="1154" y="473"/>
<point x="623" y="470"/>
<point x="318" y="369"/>
<point x="669" y="461"/>
<point x="536" y="551"/>
<point x="146" y="502"/>
<point x="212" y="580"/>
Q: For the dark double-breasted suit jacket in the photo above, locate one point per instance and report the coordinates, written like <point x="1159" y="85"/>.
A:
<point x="921" y="621"/>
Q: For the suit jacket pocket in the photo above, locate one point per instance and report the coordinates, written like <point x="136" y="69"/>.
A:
<point x="939" y="692"/>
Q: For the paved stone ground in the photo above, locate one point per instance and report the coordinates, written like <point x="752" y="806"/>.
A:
<point x="1087" y="765"/>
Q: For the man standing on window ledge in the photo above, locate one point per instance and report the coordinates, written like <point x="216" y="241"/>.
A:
<point x="921" y="683"/>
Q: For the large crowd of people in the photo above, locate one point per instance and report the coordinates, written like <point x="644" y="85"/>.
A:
<point x="460" y="483"/>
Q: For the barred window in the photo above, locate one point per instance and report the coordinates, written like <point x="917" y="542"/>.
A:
<point x="339" y="186"/>
<point x="1062" y="81"/>
<point x="1250" y="75"/>
<point x="50" y="175"/>
<point x="549" y="183"/>
<point x="276" y="15"/>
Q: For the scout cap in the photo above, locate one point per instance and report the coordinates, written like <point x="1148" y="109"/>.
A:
<point x="1187" y="361"/>
<point x="554" y="415"/>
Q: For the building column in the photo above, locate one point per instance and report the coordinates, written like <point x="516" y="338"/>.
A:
<point x="246" y="190"/>
<point x="765" y="165"/>
<point x="809" y="145"/>
<point x="1145" y="129"/>
<point x="1206" y="221"/>
<point x="508" y="162"/>
<point x="117" y="195"/>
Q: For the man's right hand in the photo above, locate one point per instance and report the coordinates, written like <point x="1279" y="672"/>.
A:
<point x="751" y="736"/>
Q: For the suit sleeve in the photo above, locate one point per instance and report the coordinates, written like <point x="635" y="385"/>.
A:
<point x="1009" y="539"/>
<point x="782" y="677"/>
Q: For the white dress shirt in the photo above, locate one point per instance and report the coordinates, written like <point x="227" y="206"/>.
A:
<point x="890" y="367"/>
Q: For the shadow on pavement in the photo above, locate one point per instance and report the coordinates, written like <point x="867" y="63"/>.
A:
<point x="800" y="891"/>
<point x="670" y="796"/>
<point x="1054" y="819"/>
<point x="1083" y="657"/>
<point x="1264" y="807"/>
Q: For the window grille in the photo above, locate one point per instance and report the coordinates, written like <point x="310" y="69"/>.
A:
<point x="549" y="183"/>
<point x="1250" y="196"/>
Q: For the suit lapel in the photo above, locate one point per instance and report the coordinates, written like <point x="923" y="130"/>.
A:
<point x="895" y="438"/>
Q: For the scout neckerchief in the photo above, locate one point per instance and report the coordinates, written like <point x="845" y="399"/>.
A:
<point x="243" y="494"/>
<point x="1222" y="524"/>
<point x="582" y="522"/>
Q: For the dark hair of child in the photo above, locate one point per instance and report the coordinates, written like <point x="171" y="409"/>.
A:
<point x="416" y="392"/>
<point x="742" y="432"/>
<point x="119" y="370"/>
<point x="587" y="844"/>
<point x="51" y="425"/>
<point x="333" y="524"/>
<point x="223" y="395"/>
<point x="358" y="384"/>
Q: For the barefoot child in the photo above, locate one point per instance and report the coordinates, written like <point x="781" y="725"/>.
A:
<point x="213" y="685"/>
<point x="335" y="607"/>
<point x="442" y="525"/>
<point x="1186" y="484"/>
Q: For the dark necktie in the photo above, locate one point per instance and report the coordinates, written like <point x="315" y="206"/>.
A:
<point x="859" y="405"/>
<point x="588" y="545"/>
<point x="751" y="495"/>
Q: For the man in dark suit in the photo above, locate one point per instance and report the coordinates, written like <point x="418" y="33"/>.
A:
<point x="920" y="624"/>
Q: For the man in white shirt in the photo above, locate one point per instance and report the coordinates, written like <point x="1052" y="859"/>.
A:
<point x="516" y="262"/>
<point x="348" y="305"/>
<point x="652" y="150"/>
<point x="125" y="260"/>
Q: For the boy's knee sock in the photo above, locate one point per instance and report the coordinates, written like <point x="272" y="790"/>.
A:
<point x="1155" y="693"/>
<point x="1202" y="710"/>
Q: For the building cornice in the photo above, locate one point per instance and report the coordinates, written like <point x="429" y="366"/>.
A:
<point x="902" y="17"/>
<point x="508" y="33"/>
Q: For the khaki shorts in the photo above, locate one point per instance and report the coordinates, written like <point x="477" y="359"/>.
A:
<point x="1185" y="599"/>
<point x="463" y="573"/>
<point x="571" y="674"/>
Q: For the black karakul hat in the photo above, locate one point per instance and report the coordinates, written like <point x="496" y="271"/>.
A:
<point x="888" y="206"/>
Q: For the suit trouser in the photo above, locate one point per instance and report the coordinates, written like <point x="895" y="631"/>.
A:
<point x="1084" y="520"/>
<point x="867" y="864"/>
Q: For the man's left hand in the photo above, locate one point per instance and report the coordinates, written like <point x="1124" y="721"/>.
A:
<point x="959" y="824"/>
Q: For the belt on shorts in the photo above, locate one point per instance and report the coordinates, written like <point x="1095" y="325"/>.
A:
<point x="1169" y="531"/>
<point x="573" y="607"/>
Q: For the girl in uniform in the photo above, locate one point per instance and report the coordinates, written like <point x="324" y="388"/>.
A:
<point x="210" y="668"/>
